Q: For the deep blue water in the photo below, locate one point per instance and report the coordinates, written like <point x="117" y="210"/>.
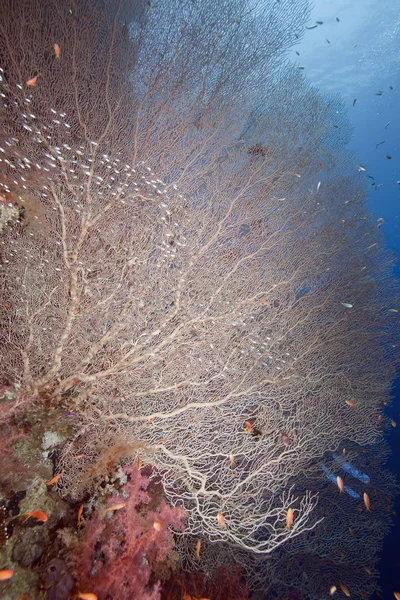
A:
<point x="361" y="61"/>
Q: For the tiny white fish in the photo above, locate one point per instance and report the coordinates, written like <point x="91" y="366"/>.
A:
<point x="346" y="304"/>
<point x="319" y="185"/>
<point x="361" y="168"/>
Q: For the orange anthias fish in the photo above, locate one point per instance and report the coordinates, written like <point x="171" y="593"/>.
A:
<point x="289" y="518"/>
<point x="232" y="460"/>
<point x="138" y="463"/>
<point x="340" y="484"/>
<point x="38" y="515"/>
<point x="198" y="546"/>
<point x="352" y="403"/>
<point x="57" y="51"/>
<point x="249" y="426"/>
<point x="87" y="596"/>
<point x="396" y="595"/>
<point x="157" y="525"/>
<point x="332" y="589"/>
<point x="285" y="439"/>
<point x="32" y="81"/>
<point x="221" y="519"/>
<point x="367" y="502"/>
<point x="6" y="574"/>
<point x="393" y="423"/>
<point x="380" y="419"/>
<point x="116" y="506"/>
<point x="345" y="590"/>
<point x="54" y="480"/>
<point x="80" y="511"/>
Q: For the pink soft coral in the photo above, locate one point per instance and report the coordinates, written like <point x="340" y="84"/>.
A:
<point x="119" y="549"/>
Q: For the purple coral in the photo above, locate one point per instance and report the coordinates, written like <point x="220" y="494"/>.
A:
<point x="118" y="550"/>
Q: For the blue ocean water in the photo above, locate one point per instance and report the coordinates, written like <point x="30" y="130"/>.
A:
<point x="356" y="52"/>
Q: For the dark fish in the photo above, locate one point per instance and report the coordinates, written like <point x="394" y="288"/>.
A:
<point x="337" y="19"/>
<point x="319" y="22"/>
<point x="388" y="156"/>
<point x="298" y="53"/>
<point x="378" y="93"/>
<point x="391" y="87"/>
<point x="370" y="176"/>
<point x="327" y="40"/>
<point x="386" y="126"/>
<point x="379" y="144"/>
<point x="354" y="101"/>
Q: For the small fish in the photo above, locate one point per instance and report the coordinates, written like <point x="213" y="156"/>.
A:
<point x="300" y="67"/>
<point x="393" y="310"/>
<point x="77" y="456"/>
<point x="157" y="525"/>
<point x="360" y="167"/>
<point x="380" y="419"/>
<point x="332" y="589"/>
<point x="319" y="22"/>
<point x="351" y="531"/>
<point x="198" y="547"/>
<point x="298" y="53"/>
<point x="379" y="144"/>
<point x="32" y="82"/>
<point x="354" y="101"/>
<point x="396" y="595"/>
<point x="138" y="463"/>
<point x="80" y="511"/>
<point x="318" y="185"/>
<point x="285" y="439"/>
<point x="393" y="423"/>
<point x="367" y="570"/>
<point x="221" y="519"/>
<point x="87" y="596"/>
<point x="340" y="484"/>
<point x="344" y="589"/>
<point x="379" y="93"/>
<point x="370" y="176"/>
<point x="390" y="87"/>
<point x="380" y="222"/>
<point x="387" y="124"/>
<point x="352" y="403"/>
<point x="54" y="480"/>
<point x="346" y="304"/>
<point x="337" y="19"/>
<point x="116" y="506"/>
<point x="38" y="515"/>
<point x="264" y="302"/>
<point x="6" y="574"/>
<point x="57" y="51"/>
<point x="289" y="518"/>
<point x="388" y="157"/>
<point x="249" y="426"/>
<point x="311" y="26"/>
<point x="232" y="460"/>
<point x="367" y="502"/>
<point x="327" y="40"/>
